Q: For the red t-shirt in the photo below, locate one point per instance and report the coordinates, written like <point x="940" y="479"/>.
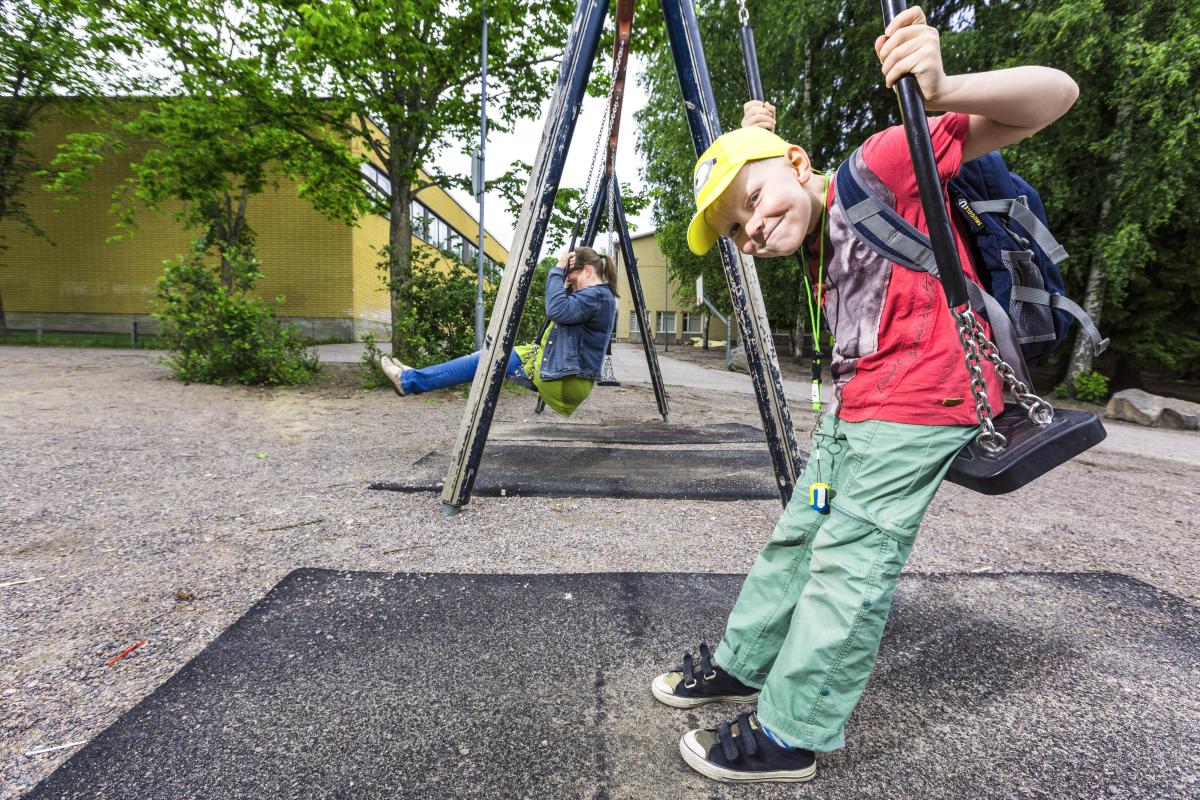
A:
<point x="897" y="356"/>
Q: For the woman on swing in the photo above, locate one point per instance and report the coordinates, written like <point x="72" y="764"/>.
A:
<point x="581" y="306"/>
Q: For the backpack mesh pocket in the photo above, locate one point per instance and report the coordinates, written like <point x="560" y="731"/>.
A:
<point x="1033" y="322"/>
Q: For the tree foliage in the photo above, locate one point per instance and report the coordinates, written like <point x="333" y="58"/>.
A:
<point x="225" y="334"/>
<point x="405" y="77"/>
<point x="48" y="49"/>
<point x="1115" y="172"/>
<point x="224" y="126"/>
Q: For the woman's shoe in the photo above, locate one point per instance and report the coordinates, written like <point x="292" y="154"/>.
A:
<point x="392" y="368"/>
<point x="695" y="684"/>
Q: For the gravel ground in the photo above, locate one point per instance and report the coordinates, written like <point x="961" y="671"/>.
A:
<point x="124" y="491"/>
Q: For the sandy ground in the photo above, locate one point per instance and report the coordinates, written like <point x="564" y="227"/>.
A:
<point x="123" y="491"/>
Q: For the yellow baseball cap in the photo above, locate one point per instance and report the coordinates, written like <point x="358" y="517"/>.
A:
<point x="717" y="168"/>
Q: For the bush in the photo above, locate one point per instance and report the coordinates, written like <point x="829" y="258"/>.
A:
<point x="440" y="323"/>
<point x="1091" y="387"/>
<point x="371" y="375"/>
<point x="220" y="335"/>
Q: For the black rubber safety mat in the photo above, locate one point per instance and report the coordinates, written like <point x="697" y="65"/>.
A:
<point x="652" y="433"/>
<point x="531" y="469"/>
<point x="379" y="685"/>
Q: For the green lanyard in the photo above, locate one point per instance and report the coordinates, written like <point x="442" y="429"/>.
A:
<point x="814" y="307"/>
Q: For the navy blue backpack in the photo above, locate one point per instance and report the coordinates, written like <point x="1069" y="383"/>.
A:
<point x="1015" y="253"/>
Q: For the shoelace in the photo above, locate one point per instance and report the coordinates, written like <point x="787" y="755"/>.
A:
<point x="745" y="739"/>
<point x="689" y="670"/>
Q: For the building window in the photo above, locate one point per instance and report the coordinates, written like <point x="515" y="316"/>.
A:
<point x="633" y="323"/>
<point x="420" y="220"/>
<point x="692" y="322"/>
<point x="666" y="322"/>
<point x="377" y="179"/>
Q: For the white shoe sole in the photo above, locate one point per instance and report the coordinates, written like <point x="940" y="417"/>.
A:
<point x="694" y="755"/>
<point x="663" y="693"/>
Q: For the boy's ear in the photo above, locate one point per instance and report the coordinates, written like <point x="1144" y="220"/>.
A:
<point x="799" y="163"/>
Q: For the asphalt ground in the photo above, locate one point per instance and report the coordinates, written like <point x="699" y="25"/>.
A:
<point x="533" y="470"/>
<point x="386" y="685"/>
<point x="534" y="459"/>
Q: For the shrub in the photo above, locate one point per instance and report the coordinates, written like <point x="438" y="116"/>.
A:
<point x="1091" y="387"/>
<point x="440" y="323"/>
<point x="226" y="335"/>
<point x="371" y="375"/>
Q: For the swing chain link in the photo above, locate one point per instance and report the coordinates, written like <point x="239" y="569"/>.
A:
<point x="977" y="346"/>
<point x="605" y="133"/>
<point x="991" y="440"/>
<point x="1039" y="411"/>
<point x="743" y="14"/>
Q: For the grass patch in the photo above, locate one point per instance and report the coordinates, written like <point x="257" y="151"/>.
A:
<point x="70" y="339"/>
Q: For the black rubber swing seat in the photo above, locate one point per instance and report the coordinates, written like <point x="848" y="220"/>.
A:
<point x="1032" y="450"/>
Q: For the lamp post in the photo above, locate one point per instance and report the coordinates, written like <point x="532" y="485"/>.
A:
<point x="477" y="179"/>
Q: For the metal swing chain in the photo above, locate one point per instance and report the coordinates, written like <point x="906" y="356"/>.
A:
<point x="976" y="347"/>
<point x="743" y="14"/>
<point x="605" y="129"/>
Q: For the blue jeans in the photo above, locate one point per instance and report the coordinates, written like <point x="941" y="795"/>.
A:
<point x="456" y="371"/>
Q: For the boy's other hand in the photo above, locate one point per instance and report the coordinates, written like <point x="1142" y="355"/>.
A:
<point x="910" y="46"/>
<point x="760" y="114"/>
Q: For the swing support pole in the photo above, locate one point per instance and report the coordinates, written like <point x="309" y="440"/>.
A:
<point x="740" y="272"/>
<point x="582" y="42"/>
<point x="639" y="304"/>
<point x="745" y="293"/>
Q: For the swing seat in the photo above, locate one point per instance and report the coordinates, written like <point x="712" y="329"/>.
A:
<point x="1032" y="450"/>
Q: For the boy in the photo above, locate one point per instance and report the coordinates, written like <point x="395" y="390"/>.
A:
<point x="804" y="634"/>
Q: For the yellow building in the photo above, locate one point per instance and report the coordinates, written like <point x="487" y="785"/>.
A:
<point x="672" y="313"/>
<point x="326" y="271"/>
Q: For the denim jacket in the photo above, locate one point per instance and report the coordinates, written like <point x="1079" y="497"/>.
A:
<point x="583" y="323"/>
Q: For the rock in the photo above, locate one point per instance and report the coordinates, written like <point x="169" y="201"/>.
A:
<point x="1179" y="417"/>
<point x="1135" y="405"/>
<point x="737" y="361"/>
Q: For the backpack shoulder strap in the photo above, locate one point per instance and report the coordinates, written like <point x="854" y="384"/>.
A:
<point x="881" y="228"/>
<point x="1020" y="213"/>
<point x="877" y="223"/>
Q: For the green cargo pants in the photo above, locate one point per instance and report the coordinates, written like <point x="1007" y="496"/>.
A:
<point x="807" y="624"/>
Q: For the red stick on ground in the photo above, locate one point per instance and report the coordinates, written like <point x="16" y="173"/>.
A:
<point x="125" y="652"/>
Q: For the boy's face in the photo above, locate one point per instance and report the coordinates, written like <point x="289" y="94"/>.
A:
<point x="765" y="210"/>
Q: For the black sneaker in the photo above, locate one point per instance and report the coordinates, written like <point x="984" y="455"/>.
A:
<point x="685" y="688"/>
<point x="742" y="752"/>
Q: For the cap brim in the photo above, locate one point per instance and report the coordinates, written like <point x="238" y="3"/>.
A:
<point x="702" y="236"/>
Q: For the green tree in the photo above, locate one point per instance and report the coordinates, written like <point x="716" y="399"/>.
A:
<point x="48" y="49"/>
<point x="227" y="127"/>
<point x="405" y="77"/>
<point x="1116" y="172"/>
